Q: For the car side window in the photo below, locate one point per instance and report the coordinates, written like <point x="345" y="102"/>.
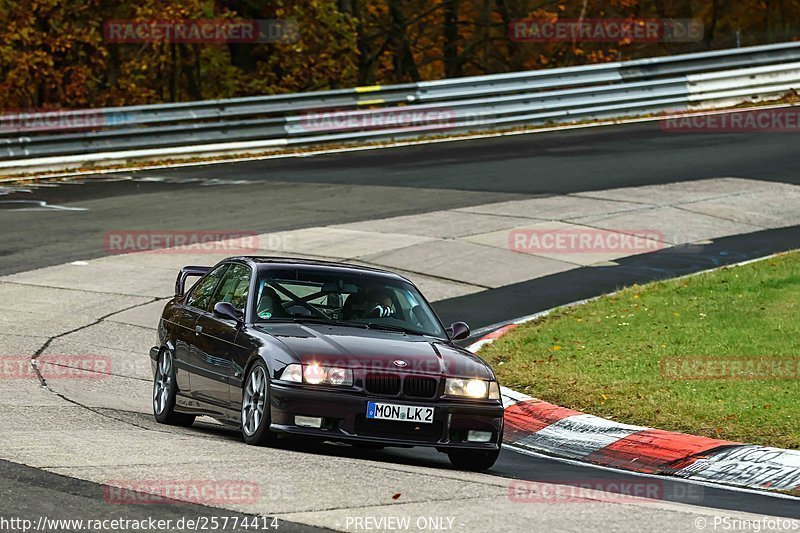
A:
<point x="201" y="294"/>
<point x="234" y="286"/>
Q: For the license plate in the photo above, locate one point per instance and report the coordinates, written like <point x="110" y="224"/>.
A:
<point x="402" y="413"/>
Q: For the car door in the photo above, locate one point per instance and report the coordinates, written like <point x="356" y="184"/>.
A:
<point x="197" y="300"/>
<point x="216" y="341"/>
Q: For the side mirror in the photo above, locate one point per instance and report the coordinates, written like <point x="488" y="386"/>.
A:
<point x="458" y="331"/>
<point x="226" y="310"/>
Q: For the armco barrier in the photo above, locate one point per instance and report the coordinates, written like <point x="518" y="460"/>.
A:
<point x="561" y="95"/>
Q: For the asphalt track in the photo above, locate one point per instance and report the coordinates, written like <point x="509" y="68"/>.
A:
<point x="281" y="194"/>
<point x="294" y="193"/>
<point x="29" y="492"/>
<point x="506" y="303"/>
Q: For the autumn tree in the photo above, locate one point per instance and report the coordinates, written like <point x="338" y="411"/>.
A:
<point x="54" y="53"/>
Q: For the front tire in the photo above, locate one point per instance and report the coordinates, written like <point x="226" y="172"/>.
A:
<point x="475" y="460"/>
<point x="164" y="391"/>
<point x="255" y="419"/>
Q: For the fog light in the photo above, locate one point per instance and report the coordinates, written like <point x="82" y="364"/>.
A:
<point x="479" y="436"/>
<point x="308" y="421"/>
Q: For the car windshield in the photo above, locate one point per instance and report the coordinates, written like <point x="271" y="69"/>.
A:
<point x="345" y="298"/>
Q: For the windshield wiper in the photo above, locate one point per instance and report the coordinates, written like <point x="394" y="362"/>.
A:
<point x="331" y="322"/>
<point x="315" y="320"/>
<point x="399" y="329"/>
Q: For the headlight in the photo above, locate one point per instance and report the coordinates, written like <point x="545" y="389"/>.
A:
<point x="292" y="373"/>
<point x="339" y="376"/>
<point x="316" y="374"/>
<point x="472" y="388"/>
<point x="476" y="388"/>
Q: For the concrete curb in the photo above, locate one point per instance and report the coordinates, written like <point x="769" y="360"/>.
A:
<point x="539" y="426"/>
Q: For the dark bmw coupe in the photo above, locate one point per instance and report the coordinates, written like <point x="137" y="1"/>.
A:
<point x="323" y="350"/>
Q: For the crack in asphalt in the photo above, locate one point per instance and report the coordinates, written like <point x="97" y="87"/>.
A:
<point x="687" y="210"/>
<point x="641" y="202"/>
<point x="86" y="407"/>
<point x="678" y="206"/>
<point x="129" y="325"/>
<point x="540" y="256"/>
<point x="93" y="323"/>
<point x="681" y="206"/>
<point x="88" y="371"/>
<point x="51" y="287"/>
<point x="47" y="343"/>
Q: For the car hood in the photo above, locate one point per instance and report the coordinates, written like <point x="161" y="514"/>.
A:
<point x="375" y="350"/>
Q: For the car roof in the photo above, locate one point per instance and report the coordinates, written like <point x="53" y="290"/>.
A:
<point x="267" y="262"/>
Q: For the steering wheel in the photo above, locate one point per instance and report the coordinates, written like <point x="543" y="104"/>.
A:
<point x="379" y="311"/>
<point x="314" y="311"/>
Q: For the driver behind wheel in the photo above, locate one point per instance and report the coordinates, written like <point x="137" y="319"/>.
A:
<point x="378" y="304"/>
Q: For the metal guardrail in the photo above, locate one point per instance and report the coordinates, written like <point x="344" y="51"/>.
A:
<point x="610" y="90"/>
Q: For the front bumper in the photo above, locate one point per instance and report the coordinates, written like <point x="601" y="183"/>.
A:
<point x="344" y="419"/>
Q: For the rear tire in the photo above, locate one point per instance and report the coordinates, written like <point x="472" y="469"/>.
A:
<point x="164" y="392"/>
<point x="255" y="416"/>
<point x="475" y="460"/>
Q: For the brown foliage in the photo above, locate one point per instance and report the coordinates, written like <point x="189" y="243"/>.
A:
<point x="54" y="53"/>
